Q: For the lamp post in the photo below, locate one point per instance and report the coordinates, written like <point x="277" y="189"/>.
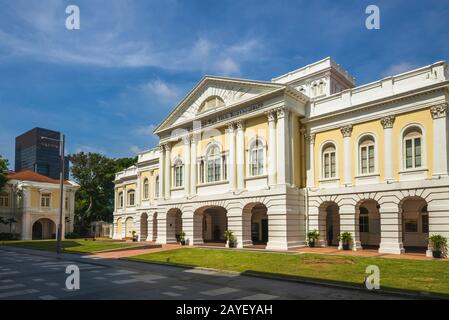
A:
<point x="61" y="192"/>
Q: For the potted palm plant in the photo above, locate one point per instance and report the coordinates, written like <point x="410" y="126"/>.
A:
<point x="312" y="237"/>
<point x="182" y="238"/>
<point x="135" y="237"/>
<point x="346" y="239"/>
<point x="438" y="244"/>
<point x="230" y="238"/>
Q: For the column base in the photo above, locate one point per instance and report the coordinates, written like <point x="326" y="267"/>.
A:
<point x="393" y="248"/>
<point x="357" y="246"/>
<point x="285" y="245"/>
<point x="429" y="253"/>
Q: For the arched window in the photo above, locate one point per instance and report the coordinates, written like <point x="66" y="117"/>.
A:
<point x="178" y="169"/>
<point x="4" y="199"/>
<point x="213" y="164"/>
<point x="257" y="158"/>
<point x="412" y="152"/>
<point x="156" y="187"/>
<point x="367" y="155"/>
<point x="146" y="188"/>
<point x="212" y="102"/>
<point x="131" y="198"/>
<point x="363" y="220"/>
<point x="329" y="159"/>
<point x="120" y="200"/>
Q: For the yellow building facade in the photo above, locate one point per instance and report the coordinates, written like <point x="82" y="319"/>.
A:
<point x="270" y="161"/>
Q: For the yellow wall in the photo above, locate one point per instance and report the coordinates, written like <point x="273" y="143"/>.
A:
<point x="422" y="117"/>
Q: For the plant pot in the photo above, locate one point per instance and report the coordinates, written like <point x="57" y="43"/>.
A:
<point x="436" y="254"/>
<point x="312" y="244"/>
<point x="183" y="242"/>
<point x="232" y="244"/>
<point x="345" y="246"/>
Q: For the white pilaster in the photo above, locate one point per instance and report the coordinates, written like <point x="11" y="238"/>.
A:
<point x="346" y="131"/>
<point x="167" y="177"/>
<point x="440" y="140"/>
<point x="272" y="167"/>
<point x="231" y="158"/>
<point x="193" y="165"/>
<point x="187" y="166"/>
<point x="290" y="150"/>
<point x="281" y="146"/>
<point x="310" y="160"/>
<point x="387" y="124"/>
<point x="240" y="155"/>
<point x="161" y="172"/>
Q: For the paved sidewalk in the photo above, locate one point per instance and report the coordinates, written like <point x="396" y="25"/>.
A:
<point x="135" y="252"/>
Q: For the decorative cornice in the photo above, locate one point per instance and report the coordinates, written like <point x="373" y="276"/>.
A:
<point x="439" y="111"/>
<point x="346" y="131"/>
<point x="387" y="122"/>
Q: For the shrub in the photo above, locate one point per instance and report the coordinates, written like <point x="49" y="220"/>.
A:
<point x="345" y="237"/>
<point x="438" y="242"/>
<point x="9" y="236"/>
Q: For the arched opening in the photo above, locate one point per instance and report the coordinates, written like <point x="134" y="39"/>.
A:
<point x="329" y="224"/>
<point x="209" y="225"/>
<point x="368" y="221"/>
<point x="44" y="229"/>
<point x="415" y="224"/>
<point x="174" y="225"/>
<point x="255" y="225"/>
<point x="129" y="227"/>
<point x="143" y="227"/>
<point x="119" y="228"/>
<point x="154" y="236"/>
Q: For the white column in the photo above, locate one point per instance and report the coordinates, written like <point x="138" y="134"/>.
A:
<point x="346" y="131"/>
<point x="272" y="148"/>
<point x="161" y="171"/>
<point x="310" y="160"/>
<point x="193" y="165"/>
<point x="187" y="168"/>
<point x="387" y="124"/>
<point x="167" y="177"/>
<point x="391" y="226"/>
<point x="281" y="146"/>
<point x="290" y="150"/>
<point x="231" y="157"/>
<point x="240" y="155"/>
<point x="440" y="140"/>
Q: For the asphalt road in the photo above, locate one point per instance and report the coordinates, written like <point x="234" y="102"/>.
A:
<point x="34" y="275"/>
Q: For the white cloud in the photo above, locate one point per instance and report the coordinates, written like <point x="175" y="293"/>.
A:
<point x="399" y="68"/>
<point x="146" y="130"/>
<point x="163" y="91"/>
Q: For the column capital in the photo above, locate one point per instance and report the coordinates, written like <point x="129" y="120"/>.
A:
<point x="187" y="139"/>
<point x="240" y="124"/>
<point x="310" y="138"/>
<point x="271" y="115"/>
<point x="166" y="146"/>
<point x="439" y="111"/>
<point x="230" y="127"/>
<point x="281" y="112"/>
<point x="346" y="131"/>
<point x="387" y="122"/>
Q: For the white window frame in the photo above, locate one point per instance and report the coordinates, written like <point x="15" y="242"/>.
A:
<point x="157" y="181"/>
<point x="361" y="143"/>
<point x="178" y="168"/>
<point x="260" y="144"/>
<point x="146" y="188"/>
<point x="128" y="198"/>
<point x="402" y="152"/>
<point x="47" y="196"/>
<point x="4" y="200"/>
<point x="324" y="146"/>
<point x="213" y="160"/>
<point x="120" y="200"/>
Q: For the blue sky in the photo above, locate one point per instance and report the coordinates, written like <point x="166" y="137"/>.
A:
<point x="108" y="84"/>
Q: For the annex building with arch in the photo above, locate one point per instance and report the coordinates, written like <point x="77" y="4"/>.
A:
<point x="308" y="150"/>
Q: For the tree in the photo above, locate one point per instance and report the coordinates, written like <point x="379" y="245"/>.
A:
<point x="95" y="173"/>
<point x="3" y="171"/>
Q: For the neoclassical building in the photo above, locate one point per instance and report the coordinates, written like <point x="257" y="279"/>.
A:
<point x="309" y="150"/>
<point x="31" y="202"/>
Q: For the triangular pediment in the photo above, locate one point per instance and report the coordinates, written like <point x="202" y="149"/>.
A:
<point x="213" y="94"/>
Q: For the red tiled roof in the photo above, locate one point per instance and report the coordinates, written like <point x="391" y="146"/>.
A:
<point x="28" y="175"/>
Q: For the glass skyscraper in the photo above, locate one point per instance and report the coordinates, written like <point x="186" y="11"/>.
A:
<point x="35" y="153"/>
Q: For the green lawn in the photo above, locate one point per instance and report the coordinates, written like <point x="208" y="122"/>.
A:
<point x="81" y="246"/>
<point x="397" y="274"/>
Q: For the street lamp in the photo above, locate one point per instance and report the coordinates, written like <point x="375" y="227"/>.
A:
<point x="61" y="192"/>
